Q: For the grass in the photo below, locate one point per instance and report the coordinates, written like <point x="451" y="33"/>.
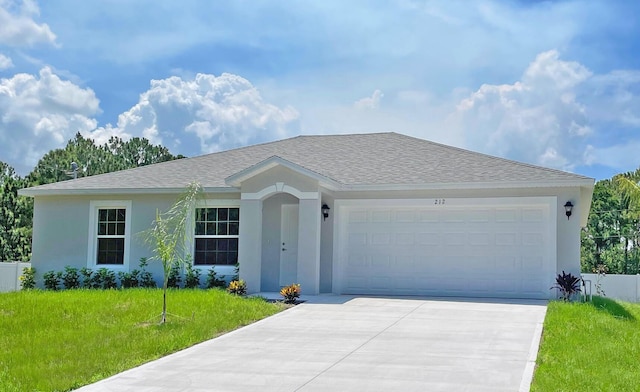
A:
<point x="590" y="347"/>
<point x="57" y="341"/>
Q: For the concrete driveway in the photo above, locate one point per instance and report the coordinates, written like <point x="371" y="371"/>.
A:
<point x="338" y="343"/>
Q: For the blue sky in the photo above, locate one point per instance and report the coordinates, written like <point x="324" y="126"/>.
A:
<point x="552" y="83"/>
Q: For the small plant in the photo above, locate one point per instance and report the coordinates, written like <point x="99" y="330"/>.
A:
<point x="213" y="280"/>
<point x="145" y="279"/>
<point x="51" y="280"/>
<point x="237" y="287"/>
<point x="86" y="274"/>
<point x="174" y="276"/>
<point x="290" y="293"/>
<point x="70" y="278"/>
<point x="568" y="284"/>
<point x="192" y="277"/>
<point x="28" y="278"/>
<point x="236" y="272"/>
<point x="129" y="279"/>
<point x="601" y="270"/>
<point x="104" y="279"/>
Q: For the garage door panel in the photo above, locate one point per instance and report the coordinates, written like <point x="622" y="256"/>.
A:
<point x="482" y="250"/>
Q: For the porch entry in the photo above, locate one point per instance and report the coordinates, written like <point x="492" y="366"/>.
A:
<point x="289" y="245"/>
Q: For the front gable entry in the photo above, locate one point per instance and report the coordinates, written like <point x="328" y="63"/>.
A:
<point x="263" y="247"/>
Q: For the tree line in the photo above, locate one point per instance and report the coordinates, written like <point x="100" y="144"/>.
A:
<point x="611" y="240"/>
<point x="16" y="212"/>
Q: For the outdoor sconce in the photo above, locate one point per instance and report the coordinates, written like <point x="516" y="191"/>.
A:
<point x="567" y="209"/>
<point x="325" y="211"/>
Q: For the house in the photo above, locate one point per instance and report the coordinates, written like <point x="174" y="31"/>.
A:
<point x="380" y="214"/>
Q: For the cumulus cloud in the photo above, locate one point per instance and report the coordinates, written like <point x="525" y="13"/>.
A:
<point x="537" y="119"/>
<point x="372" y="102"/>
<point x="18" y="27"/>
<point x="39" y="113"/>
<point x="5" y="62"/>
<point x="202" y="114"/>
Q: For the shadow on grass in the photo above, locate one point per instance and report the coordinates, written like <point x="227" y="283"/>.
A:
<point x="612" y="307"/>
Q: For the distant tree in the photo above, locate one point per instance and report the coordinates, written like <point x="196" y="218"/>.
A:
<point x="15" y="217"/>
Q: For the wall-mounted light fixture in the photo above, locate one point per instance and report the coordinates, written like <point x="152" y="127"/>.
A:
<point x="568" y="206"/>
<point x="325" y="211"/>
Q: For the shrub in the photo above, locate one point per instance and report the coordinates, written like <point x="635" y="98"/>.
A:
<point x="174" y="276"/>
<point x="213" y="280"/>
<point x="104" y="279"/>
<point x="290" y="293"/>
<point x="86" y="274"/>
<point x="28" y="278"/>
<point x="568" y="284"/>
<point x="51" y="280"/>
<point x="129" y="279"/>
<point x="237" y="287"/>
<point x="70" y="278"/>
<point x="145" y="279"/>
<point x="192" y="277"/>
<point x="601" y="270"/>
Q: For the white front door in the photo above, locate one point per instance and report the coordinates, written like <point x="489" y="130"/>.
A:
<point x="289" y="245"/>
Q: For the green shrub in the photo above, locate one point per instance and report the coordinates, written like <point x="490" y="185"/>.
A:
<point x="213" y="280"/>
<point x="86" y="274"/>
<point x="145" y="279"/>
<point x="28" y="278"/>
<point x="104" y="279"/>
<point x="237" y="287"/>
<point x="51" y="280"/>
<point x="129" y="279"/>
<point x="290" y="293"/>
<point x="174" y="276"/>
<point x="192" y="277"/>
<point x="70" y="278"/>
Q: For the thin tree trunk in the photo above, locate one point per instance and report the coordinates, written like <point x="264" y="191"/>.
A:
<point x="164" y="303"/>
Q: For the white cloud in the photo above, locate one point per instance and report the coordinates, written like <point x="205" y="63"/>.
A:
<point x="372" y="102"/>
<point x="5" y="62"/>
<point x="537" y="119"/>
<point x="17" y="27"/>
<point x="39" y="114"/>
<point x="203" y="114"/>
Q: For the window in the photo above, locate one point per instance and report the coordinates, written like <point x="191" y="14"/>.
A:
<point x="216" y="236"/>
<point x="109" y="230"/>
<point x="111" y="224"/>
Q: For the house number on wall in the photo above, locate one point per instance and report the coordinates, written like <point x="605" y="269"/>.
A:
<point x="439" y="201"/>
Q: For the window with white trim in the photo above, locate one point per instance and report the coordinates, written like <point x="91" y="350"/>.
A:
<point x="216" y="234"/>
<point x="109" y="233"/>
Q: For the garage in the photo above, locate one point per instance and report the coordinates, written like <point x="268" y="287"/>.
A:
<point x="476" y="247"/>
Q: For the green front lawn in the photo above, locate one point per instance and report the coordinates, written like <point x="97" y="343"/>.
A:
<point x="63" y="340"/>
<point x="590" y="347"/>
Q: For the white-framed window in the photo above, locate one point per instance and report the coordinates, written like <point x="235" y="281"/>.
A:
<point x="109" y="234"/>
<point x="216" y="232"/>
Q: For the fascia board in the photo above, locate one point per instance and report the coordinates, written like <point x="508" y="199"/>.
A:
<point x="118" y="191"/>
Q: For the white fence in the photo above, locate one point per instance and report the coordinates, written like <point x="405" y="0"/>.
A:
<point x="10" y="276"/>
<point x="624" y="287"/>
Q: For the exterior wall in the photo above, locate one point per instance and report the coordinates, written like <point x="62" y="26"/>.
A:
<point x="61" y="230"/>
<point x="623" y="287"/>
<point x="326" y="247"/>
<point x="10" y="276"/>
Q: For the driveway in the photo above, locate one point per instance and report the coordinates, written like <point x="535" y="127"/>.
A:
<point x="338" y="343"/>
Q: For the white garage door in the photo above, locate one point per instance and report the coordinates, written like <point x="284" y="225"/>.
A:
<point x="498" y="247"/>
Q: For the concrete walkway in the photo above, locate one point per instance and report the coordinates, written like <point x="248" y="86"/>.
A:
<point x="339" y="343"/>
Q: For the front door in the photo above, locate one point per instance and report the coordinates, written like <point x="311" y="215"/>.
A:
<point x="289" y="245"/>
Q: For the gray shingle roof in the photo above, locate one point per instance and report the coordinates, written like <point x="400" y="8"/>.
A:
<point x="350" y="160"/>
